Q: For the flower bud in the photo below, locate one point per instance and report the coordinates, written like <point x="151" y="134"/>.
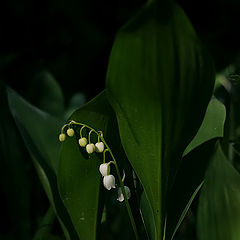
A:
<point x="90" y="148"/>
<point x="120" y="194"/>
<point x="62" y="137"/>
<point x="70" y="132"/>
<point x="99" y="147"/>
<point x="82" y="142"/>
<point x="104" y="169"/>
<point x="109" y="182"/>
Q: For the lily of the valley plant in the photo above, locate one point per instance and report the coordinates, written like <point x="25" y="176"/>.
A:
<point x="135" y="158"/>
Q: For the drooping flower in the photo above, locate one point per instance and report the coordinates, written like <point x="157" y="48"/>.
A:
<point x="90" y="148"/>
<point x="99" y="147"/>
<point x="104" y="169"/>
<point x="120" y="194"/>
<point x="82" y="142"/>
<point x="109" y="182"/>
<point x="62" y="137"/>
<point x="70" y="132"/>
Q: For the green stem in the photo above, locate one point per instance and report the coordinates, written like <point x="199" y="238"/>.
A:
<point x="104" y="155"/>
<point x="124" y="192"/>
<point x="63" y="127"/>
<point x="119" y="178"/>
<point x="81" y="131"/>
<point x="89" y="135"/>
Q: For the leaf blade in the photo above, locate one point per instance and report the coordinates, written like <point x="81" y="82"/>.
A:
<point x="211" y="127"/>
<point x="198" y="153"/>
<point x="156" y="119"/>
<point x="39" y="131"/>
<point x="218" y="212"/>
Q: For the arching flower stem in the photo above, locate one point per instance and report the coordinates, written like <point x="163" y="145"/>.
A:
<point x="100" y="136"/>
<point x="123" y="191"/>
<point x="104" y="155"/>
<point x="89" y="135"/>
<point x="81" y="131"/>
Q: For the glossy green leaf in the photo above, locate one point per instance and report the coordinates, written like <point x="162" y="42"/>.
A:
<point x="212" y="125"/>
<point x="159" y="83"/>
<point x="46" y="225"/>
<point x="199" y="152"/>
<point x="148" y="217"/>
<point x="40" y="134"/>
<point x="78" y="176"/>
<point x="219" y="211"/>
<point x="185" y="210"/>
<point x="189" y="177"/>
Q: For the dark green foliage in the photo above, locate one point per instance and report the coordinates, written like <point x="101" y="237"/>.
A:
<point x="158" y="99"/>
<point x="155" y="113"/>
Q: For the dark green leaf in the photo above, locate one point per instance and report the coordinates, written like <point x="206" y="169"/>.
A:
<point x="185" y="210"/>
<point x="219" y="212"/>
<point x="189" y="177"/>
<point x="40" y="134"/>
<point x="159" y="83"/>
<point x="46" y="225"/>
<point x="41" y="127"/>
<point x="212" y="125"/>
<point x="148" y="217"/>
<point x="47" y="94"/>
<point x="199" y="152"/>
<point x="15" y="180"/>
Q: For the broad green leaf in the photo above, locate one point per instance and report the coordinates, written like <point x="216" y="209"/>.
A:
<point x="185" y="210"/>
<point x="189" y="177"/>
<point x="199" y="152"/>
<point x="159" y="83"/>
<point x="41" y="127"/>
<point x="78" y="176"/>
<point x="46" y="225"/>
<point x="15" y="180"/>
<point x="47" y="94"/>
<point x="212" y="125"/>
<point x="76" y="101"/>
<point x="219" y="212"/>
<point x="148" y="217"/>
<point x="40" y="134"/>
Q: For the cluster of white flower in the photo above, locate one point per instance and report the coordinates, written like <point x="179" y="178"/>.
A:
<point x="104" y="168"/>
<point x="83" y="142"/>
<point x="108" y="179"/>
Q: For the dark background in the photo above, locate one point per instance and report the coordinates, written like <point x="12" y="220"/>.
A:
<point x="72" y="40"/>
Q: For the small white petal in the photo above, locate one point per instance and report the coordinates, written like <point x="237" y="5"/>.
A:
<point x="90" y="148"/>
<point x="99" y="146"/>
<point x="109" y="182"/>
<point x="104" y="169"/>
<point x="120" y="194"/>
<point x="82" y="142"/>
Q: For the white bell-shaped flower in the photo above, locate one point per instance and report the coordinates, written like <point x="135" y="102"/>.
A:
<point x="120" y="194"/>
<point x="70" y="132"/>
<point x="82" y="142"/>
<point x="99" y="147"/>
<point x="109" y="182"/>
<point x="104" y="169"/>
<point x="90" y="148"/>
